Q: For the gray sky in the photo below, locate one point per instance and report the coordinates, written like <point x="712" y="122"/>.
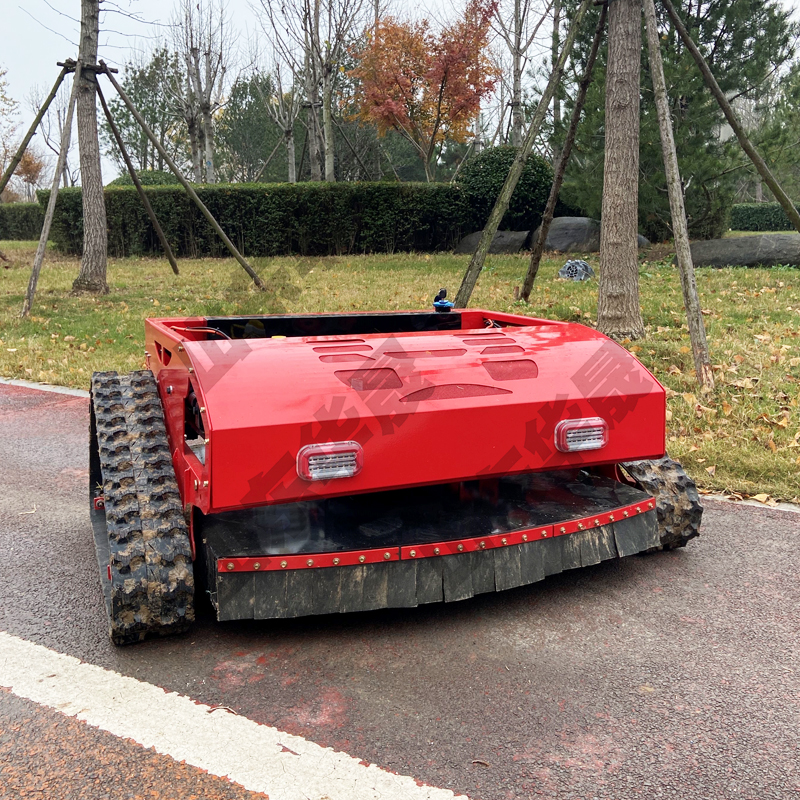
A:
<point x="35" y="34"/>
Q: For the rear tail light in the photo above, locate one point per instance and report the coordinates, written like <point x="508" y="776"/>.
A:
<point x="573" y="435"/>
<point x="321" y="462"/>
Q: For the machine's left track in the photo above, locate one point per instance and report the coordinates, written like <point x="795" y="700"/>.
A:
<point x="143" y="547"/>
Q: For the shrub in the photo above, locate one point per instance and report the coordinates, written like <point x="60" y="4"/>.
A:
<point x="482" y="178"/>
<point x="759" y="217"/>
<point x="147" y="177"/>
<point x="275" y="219"/>
<point x="20" y="220"/>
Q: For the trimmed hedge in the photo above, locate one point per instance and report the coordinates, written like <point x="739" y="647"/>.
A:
<point x="275" y="219"/>
<point x="147" y="177"/>
<point x="759" y="217"/>
<point x="483" y="176"/>
<point x="21" y="220"/>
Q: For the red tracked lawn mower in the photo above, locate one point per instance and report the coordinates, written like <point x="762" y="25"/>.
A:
<point x="311" y="464"/>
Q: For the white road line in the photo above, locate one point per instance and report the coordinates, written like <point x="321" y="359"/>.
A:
<point x="258" y="757"/>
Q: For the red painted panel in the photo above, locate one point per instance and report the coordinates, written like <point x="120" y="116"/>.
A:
<point x="264" y="399"/>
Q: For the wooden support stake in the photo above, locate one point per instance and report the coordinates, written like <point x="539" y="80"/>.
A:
<point x="136" y="182"/>
<point x="503" y="199"/>
<point x="680" y="228"/>
<point x="747" y="145"/>
<point x="51" y="202"/>
<point x="182" y="180"/>
<point x="563" y="159"/>
<point x="68" y="66"/>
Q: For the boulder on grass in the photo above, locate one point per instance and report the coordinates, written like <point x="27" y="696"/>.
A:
<point x="766" y="250"/>
<point x="575" y="235"/>
<point x="503" y="242"/>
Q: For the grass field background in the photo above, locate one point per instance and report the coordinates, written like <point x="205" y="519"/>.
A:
<point x="743" y="437"/>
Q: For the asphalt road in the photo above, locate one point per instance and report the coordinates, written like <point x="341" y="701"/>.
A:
<point x="674" y="675"/>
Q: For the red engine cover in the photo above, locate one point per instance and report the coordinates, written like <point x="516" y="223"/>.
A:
<point x="428" y="407"/>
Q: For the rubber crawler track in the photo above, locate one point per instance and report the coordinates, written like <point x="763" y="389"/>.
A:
<point x="152" y="583"/>
<point x="677" y="502"/>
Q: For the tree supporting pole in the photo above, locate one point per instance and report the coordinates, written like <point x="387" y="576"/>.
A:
<point x="680" y="228"/>
<point x="266" y="163"/>
<point x="51" y="202"/>
<point x="182" y="180"/>
<point x="563" y="159"/>
<point x="503" y="199"/>
<point x="136" y="182"/>
<point x="66" y="67"/>
<point x="727" y="109"/>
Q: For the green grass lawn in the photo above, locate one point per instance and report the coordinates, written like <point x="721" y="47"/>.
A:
<point x="742" y="437"/>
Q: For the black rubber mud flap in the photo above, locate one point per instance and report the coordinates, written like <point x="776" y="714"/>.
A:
<point x="677" y="501"/>
<point x="141" y="538"/>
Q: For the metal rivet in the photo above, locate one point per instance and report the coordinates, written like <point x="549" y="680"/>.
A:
<point x="544" y="534"/>
<point x="460" y="548"/>
<point x="597" y="522"/>
<point x="413" y="554"/>
<point x="504" y="541"/>
<point x="206" y="441"/>
<point x="436" y="551"/>
<point x="611" y="517"/>
<point x="196" y="484"/>
<point x="387" y="556"/>
<point x="257" y="565"/>
<point x="230" y="565"/>
<point x="524" y="537"/>
<point x="191" y="370"/>
<point x="169" y="390"/>
<point x="335" y="562"/>
<point x="649" y="505"/>
<point x="580" y="525"/>
<point x="202" y="409"/>
<point x="362" y="559"/>
<point x="310" y="562"/>
<point x="483" y="545"/>
<point x="283" y="565"/>
<point x="625" y="514"/>
<point x="205" y="483"/>
<point x="562" y="530"/>
<point x="180" y="348"/>
<point x="147" y="354"/>
<point x="638" y="510"/>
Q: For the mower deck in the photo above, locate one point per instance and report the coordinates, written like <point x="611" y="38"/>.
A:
<point x="427" y="544"/>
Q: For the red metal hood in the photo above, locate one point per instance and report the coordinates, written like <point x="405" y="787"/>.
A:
<point x="426" y="407"/>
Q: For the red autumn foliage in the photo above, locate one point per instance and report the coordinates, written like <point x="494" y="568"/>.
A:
<point x="427" y="86"/>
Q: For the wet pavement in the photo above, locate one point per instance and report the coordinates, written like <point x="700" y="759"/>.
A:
<point x="670" y="675"/>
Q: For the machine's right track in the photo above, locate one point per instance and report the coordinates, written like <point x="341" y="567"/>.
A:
<point x="145" y="552"/>
<point x="677" y="500"/>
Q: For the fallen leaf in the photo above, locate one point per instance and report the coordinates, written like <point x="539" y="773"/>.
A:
<point x="762" y="498"/>
<point x="689" y="399"/>
<point x="712" y="470"/>
<point x="727" y="408"/>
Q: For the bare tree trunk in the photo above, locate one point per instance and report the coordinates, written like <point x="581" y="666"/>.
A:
<point x="501" y="204"/>
<point x="618" y="312"/>
<point x="680" y="228"/>
<point x="727" y="109"/>
<point x="327" y="122"/>
<point x="563" y="159"/>
<point x="557" y="96"/>
<point x="517" y="115"/>
<point x="290" y="156"/>
<point x="92" y="275"/>
<point x="208" y="128"/>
